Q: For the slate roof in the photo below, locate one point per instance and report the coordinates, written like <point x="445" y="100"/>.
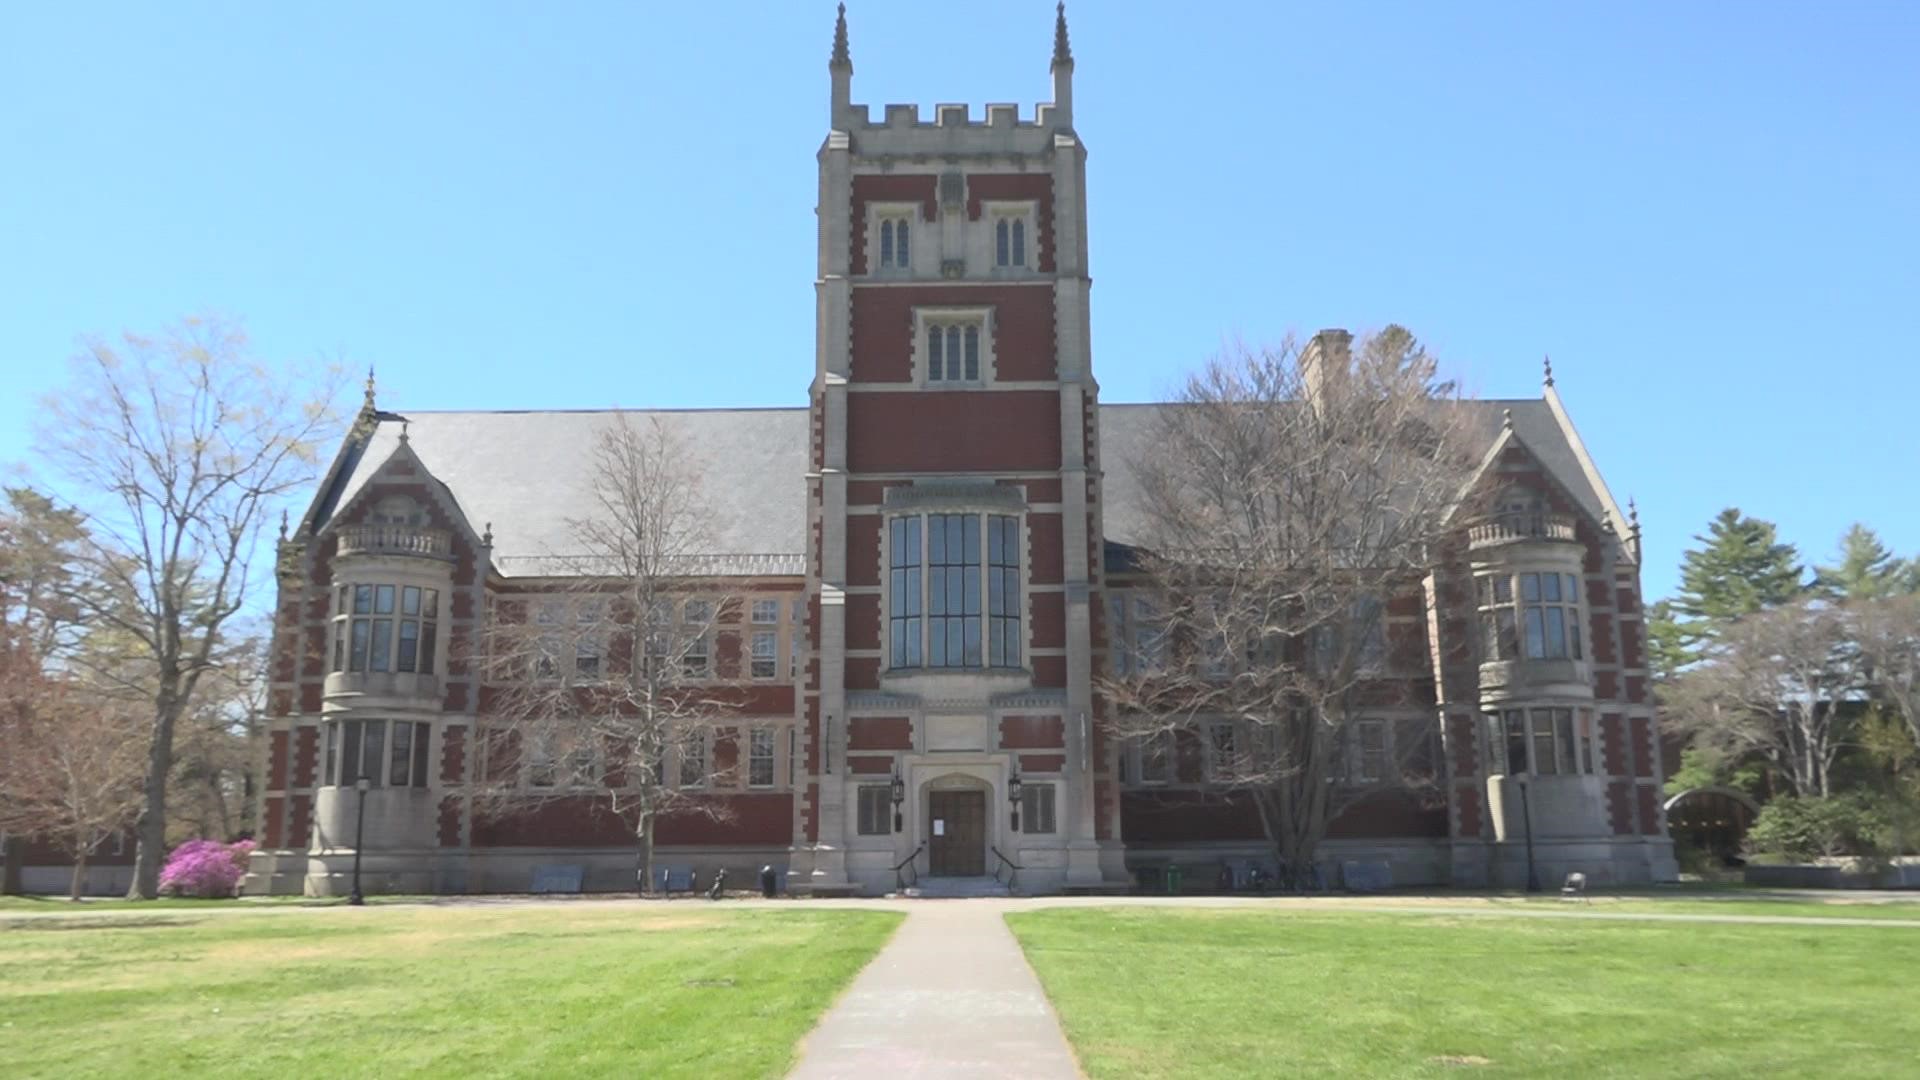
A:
<point x="526" y="473"/>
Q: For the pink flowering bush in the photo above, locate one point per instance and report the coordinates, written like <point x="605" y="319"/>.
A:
<point x="205" y="868"/>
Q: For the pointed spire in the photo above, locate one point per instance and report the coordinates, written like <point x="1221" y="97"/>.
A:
<point x="1062" y="51"/>
<point x="1548" y="362"/>
<point x="841" y="57"/>
<point x="370" y="405"/>
<point x="1633" y="516"/>
<point x="283" y="525"/>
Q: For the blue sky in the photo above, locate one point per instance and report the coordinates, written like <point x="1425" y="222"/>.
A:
<point x="1706" y="216"/>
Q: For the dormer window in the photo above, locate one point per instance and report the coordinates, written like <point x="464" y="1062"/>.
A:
<point x="895" y="252"/>
<point x="953" y="351"/>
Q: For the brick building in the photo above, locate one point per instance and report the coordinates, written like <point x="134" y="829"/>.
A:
<point x="942" y="533"/>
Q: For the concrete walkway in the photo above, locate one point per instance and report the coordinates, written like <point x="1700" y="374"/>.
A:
<point x="950" y="996"/>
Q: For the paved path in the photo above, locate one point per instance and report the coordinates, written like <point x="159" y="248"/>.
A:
<point x="950" y="996"/>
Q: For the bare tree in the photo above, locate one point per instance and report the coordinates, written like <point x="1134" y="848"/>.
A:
<point x="178" y="447"/>
<point x="70" y="764"/>
<point x="216" y="753"/>
<point x="620" y="687"/>
<point x="1782" y="683"/>
<point x="1290" y="497"/>
<point x="1888" y="633"/>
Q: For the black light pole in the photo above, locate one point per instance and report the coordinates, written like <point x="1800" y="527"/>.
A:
<point x="359" y="838"/>
<point x="1526" y="815"/>
<point x="1013" y="796"/>
<point x="899" y="796"/>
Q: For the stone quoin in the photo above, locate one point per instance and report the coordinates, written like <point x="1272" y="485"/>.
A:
<point x="945" y="531"/>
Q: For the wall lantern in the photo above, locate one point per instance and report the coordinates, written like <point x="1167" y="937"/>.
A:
<point x="1013" y="796"/>
<point x="899" y="796"/>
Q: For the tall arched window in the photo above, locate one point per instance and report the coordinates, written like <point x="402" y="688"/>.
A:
<point x="894" y="253"/>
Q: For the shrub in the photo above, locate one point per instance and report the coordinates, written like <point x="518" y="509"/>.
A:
<point x="205" y="868"/>
<point x="1804" y="829"/>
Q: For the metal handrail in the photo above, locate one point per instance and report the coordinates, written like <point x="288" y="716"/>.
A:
<point x="1013" y="868"/>
<point x="899" y="879"/>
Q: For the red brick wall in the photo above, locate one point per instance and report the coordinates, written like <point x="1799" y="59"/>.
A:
<point x="985" y="431"/>
<point x="1023" y="332"/>
<point x="879" y="733"/>
<point x="277" y="761"/>
<point x="1049" y="613"/>
<point x="306" y="755"/>
<point x="1032" y="732"/>
<point x="1043" y="763"/>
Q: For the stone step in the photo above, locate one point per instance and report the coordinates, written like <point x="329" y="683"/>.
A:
<point x="942" y="888"/>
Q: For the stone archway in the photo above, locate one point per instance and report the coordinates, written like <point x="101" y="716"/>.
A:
<point x="1713" y="819"/>
<point x="958" y="812"/>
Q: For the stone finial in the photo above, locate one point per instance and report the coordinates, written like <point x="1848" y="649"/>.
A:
<point x="403" y="431"/>
<point x="1548" y="363"/>
<point x="841" y="57"/>
<point x="1062" y="51"/>
<point x="283" y="526"/>
<point x="1633" y="516"/>
<point x="369" y="405"/>
<point x="1506" y="419"/>
<point x="486" y="537"/>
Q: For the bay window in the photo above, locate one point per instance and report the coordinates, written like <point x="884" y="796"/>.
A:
<point x="388" y="753"/>
<point x="383" y="628"/>
<point x="1540" y="741"/>
<point x="1530" y="616"/>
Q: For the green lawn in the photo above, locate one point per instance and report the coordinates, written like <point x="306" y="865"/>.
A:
<point x="1146" y="993"/>
<point x="549" y="990"/>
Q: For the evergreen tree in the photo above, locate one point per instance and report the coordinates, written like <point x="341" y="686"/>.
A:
<point x="1867" y="570"/>
<point x="1739" y="568"/>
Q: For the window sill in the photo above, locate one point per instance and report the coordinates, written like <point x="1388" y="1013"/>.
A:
<point x="1573" y="677"/>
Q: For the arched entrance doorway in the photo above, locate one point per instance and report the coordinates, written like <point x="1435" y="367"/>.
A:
<point x="1712" y="819"/>
<point x="957" y="826"/>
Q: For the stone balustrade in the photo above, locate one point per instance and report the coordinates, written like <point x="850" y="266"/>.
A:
<point x="1516" y="528"/>
<point x="395" y="540"/>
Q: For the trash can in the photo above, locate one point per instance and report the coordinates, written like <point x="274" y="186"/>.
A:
<point x="1173" y="879"/>
<point x="769" y="882"/>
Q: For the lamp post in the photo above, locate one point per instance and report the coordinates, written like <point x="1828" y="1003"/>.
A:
<point x="1013" y="796"/>
<point x="899" y="796"/>
<point x="1526" y="816"/>
<point x="359" y="838"/>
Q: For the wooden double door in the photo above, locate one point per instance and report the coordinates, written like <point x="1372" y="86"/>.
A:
<point x="957" y="833"/>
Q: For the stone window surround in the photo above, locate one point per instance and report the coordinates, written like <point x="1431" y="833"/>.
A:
<point x="992" y="213"/>
<point x="935" y="497"/>
<point x="921" y="234"/>
<point x="980" y="314"/>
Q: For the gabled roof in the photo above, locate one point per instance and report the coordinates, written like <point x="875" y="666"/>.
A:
<point x="1127" y="433"/>
<point x="526" y="474"/>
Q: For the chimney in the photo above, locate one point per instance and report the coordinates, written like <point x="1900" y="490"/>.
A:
<point x="1328" y="356"/>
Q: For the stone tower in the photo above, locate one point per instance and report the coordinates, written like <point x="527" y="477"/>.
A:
<point x="953" y="499"/>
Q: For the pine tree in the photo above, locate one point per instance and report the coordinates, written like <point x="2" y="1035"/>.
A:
<point x="1867" y="570"/>
<point x="1739" y="568"/>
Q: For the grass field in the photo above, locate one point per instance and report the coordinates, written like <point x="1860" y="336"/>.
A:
<point x="551" y="990"/>
<point x="1146" y="993"/>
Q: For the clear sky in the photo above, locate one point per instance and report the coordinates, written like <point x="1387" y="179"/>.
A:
<point x="1706" y="214"/>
